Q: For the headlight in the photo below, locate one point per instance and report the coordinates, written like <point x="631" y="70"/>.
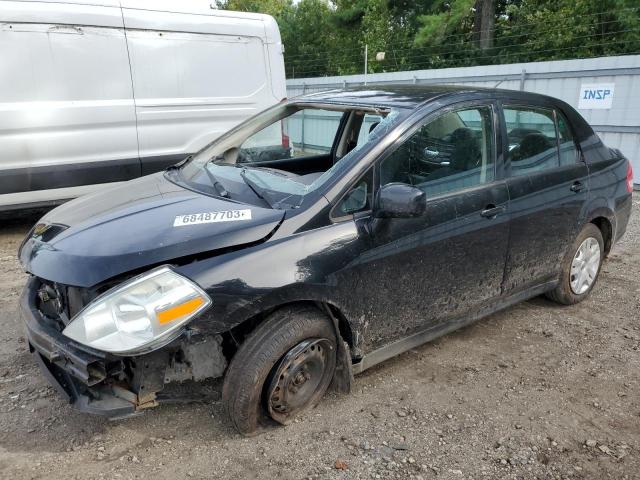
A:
<point x="140" y="315"/>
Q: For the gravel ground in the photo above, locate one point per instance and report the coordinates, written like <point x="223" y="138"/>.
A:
<point x="535" y="391"/>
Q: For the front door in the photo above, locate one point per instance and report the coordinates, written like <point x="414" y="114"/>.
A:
<point x="421" y="272"/>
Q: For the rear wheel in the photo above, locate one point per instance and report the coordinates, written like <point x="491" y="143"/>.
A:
<point x="283" y="368"/>
<point x="580" y="268"/>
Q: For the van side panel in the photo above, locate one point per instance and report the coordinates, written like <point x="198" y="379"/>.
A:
<point x="275" y="52"/>
<point x="194" y="79"/>
<point x="70" y="12"/>
<point x="67" y="116"/>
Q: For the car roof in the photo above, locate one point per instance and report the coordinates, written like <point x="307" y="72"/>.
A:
<point x="411" y="96"/>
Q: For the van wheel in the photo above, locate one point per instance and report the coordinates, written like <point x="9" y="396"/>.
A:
<point x="283" y="368"/>
<point x="580" y="268"/>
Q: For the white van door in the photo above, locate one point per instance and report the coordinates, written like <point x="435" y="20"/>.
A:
<point x="67" y="117"/>
<point x="195" y="75"/>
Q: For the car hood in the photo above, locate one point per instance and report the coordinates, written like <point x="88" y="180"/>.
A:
<point x="134" y="225"/>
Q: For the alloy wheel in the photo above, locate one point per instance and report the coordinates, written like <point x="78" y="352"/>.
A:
<point x="584" y="267"/>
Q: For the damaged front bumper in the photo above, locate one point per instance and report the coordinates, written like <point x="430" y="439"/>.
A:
<point x="113" y="386"/>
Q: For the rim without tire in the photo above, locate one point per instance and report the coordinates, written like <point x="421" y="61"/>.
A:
<point x="303" y="371"/>
<point x="584" y="267"/>
<point x="282" y="368"/>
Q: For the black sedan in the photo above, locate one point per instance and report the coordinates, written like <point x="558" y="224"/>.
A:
<point x="319" y="238"/>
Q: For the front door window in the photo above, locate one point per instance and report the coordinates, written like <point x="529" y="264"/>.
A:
<point x="455" y="150"/>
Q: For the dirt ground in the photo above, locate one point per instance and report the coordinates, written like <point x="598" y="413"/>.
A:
<point x="535" y="391"/>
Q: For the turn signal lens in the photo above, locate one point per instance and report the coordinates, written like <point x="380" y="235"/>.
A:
<point x="140" y="315"/>
<point x="183" y="310"/>
<point x="629" y="177"/>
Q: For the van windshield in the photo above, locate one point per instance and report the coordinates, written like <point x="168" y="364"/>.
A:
<point x="286" y="152"/>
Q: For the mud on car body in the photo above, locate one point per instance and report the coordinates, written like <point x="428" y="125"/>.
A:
<point x="399" y="215"/>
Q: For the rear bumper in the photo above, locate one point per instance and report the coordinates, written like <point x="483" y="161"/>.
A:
<point x="77" y="374"/>
<point x="623" y="214"/>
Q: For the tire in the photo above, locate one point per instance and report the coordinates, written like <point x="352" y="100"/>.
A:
<point x="564" y="293"/>
<point x="251" y="374"/>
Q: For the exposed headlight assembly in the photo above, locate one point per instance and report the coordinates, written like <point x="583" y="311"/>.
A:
<point x="142" y="314"/>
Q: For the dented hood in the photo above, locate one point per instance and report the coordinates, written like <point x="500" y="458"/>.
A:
<point x="134" y="225"/>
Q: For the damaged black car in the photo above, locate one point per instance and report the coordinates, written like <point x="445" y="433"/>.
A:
<point x="321" y="237"/>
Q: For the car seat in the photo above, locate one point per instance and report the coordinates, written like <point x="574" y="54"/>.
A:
<point x="532" y="144"/>
<point x="464" y="153"/>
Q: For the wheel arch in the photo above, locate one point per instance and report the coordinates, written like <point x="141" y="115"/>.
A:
<point x="606" y="228"/>
<point x="347" y="351"/>
<point x="236" y="335"/>
<point x="600" y="212"/>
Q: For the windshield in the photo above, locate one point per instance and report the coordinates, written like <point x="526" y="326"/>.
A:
<point x="283" y="154"/>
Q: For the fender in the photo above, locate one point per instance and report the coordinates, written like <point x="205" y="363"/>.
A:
<point x="243" y="284"/>
<point x="599" y="208"/>
<point x="607" y="193"/>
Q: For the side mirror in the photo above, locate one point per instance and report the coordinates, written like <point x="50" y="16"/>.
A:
<point x="399" y="200"/>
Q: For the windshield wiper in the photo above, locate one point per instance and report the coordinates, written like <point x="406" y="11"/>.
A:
<point x="271" y="171"/>
<point x="254" y="186"/>
<point x="215" y="183"/>
<point x="178" y="165"/>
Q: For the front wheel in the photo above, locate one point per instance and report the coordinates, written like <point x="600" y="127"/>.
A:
<point x="580" y="268"/>
<point x="283" y="368"/>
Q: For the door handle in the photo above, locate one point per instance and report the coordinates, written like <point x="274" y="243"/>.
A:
<point x="576" y="187"/>
<point x="492" y="211"/>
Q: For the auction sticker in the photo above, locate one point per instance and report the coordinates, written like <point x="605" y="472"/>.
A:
<point x="212" y="217"/>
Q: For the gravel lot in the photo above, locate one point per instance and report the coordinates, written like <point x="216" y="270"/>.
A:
<point x="535" y="391"/>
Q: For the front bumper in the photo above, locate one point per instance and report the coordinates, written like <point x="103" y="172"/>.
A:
<point x="114" y="386"/>
<point x="80" y="375"/>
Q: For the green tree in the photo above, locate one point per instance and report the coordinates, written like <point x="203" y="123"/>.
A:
<point x="308" y="38"/>
<point x="328" y="37"/>
<point x="445" y="19"/>
<point x="558" y="29"/>
<point x="271" y="7"/>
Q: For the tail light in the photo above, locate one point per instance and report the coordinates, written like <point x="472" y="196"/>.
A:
<point x="629" y="177"/>
<point x="285" y="137"/>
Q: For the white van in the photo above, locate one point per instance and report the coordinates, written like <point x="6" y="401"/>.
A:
<point x="100" y="91"/>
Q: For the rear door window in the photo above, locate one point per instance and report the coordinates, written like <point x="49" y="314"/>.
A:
<point x="533" y="144"/>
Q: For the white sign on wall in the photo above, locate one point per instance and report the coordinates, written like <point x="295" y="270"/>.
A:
<point x="596" y="95"/>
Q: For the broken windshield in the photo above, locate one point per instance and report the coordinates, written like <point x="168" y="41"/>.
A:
<point x="288" y="151"/>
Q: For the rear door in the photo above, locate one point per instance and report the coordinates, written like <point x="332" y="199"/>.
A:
<point x="548" y="187"/>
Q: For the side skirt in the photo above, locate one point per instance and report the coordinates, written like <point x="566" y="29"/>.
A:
<point x="431" y="333"/>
